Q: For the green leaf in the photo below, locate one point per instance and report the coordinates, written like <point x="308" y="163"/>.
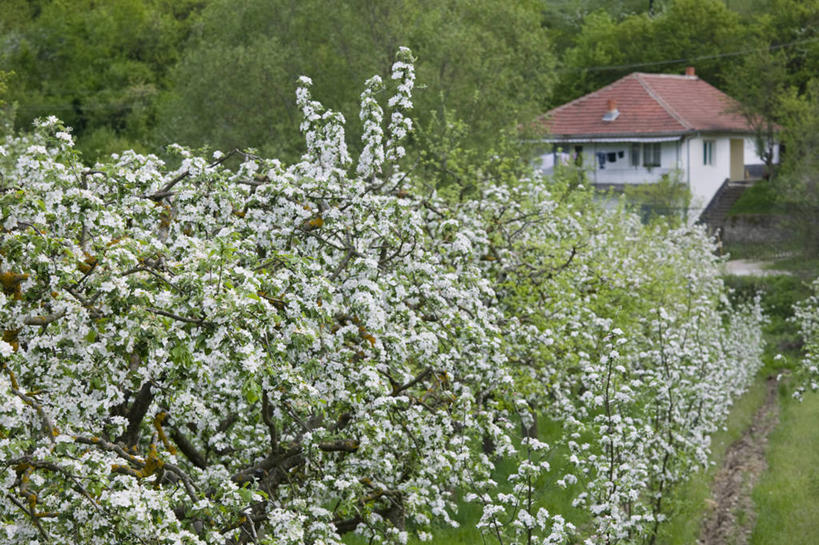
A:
<point x="246" y="494"/>
<point x="251" y="391"/>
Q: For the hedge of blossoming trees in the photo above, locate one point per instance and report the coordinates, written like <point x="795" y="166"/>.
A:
<point x="287" y="354"/>
<point x="806" y="315"/>
<point x="635" y="351"/>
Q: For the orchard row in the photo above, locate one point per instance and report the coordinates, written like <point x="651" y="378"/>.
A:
<point x="236" y="350"/>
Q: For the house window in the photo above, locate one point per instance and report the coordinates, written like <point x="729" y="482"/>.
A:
<point x="651" y="155"/>
<point x="635" y="155"/>
<point x="707" y="152"/>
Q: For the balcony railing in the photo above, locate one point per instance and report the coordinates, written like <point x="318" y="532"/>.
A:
<point x="633" y="175"/>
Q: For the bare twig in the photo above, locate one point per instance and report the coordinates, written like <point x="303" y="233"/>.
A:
<point x="48" y="425"/>
<point x="197" y="321"/>
<point x="397" y="389"/>
<point x="32" y="516"/>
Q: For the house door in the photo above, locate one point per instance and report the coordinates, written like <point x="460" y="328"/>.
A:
<point x="737" y="159"/>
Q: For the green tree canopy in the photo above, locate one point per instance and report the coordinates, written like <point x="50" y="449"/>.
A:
<point x="98" y="65"/>
<point x="758" y="83"/>
<point x="798" y="183"/>
<point x="490" y="61"/>
<point x="792" y="27"/>
<point x="606" y="49"/>
<point x="565" y="18"/>
<point x="3" y="87"/>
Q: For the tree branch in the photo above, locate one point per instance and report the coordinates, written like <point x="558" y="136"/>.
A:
<point x="135" y="415"/>
<point x="48" y="426"/>
<point x="187" y="448"/>
<point x="266" y="465"/>
<point x="197" y="321"/>
<point x="339" y="445"/>
<point x="43" y="320"/>
<point x="397" y="389"/>
<point x="32" y="516"/>
<point x="267" y="417"/>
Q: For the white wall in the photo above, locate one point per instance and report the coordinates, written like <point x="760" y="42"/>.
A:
<point x="705" y="180"/>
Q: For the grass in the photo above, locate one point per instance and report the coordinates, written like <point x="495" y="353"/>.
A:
<point x="760" y="198"/>
<point x="787" y="496"/>
<point x="806" y="268"/>
<point x="690" y="502"/>
<point x="787" y="257"/>
<point x="757" y="251"/>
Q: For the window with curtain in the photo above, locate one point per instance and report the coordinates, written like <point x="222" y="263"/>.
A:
<point x="651" y="154"/>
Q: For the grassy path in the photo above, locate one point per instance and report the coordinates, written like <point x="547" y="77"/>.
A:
<point x="723" y="507"/>
<point x="787" y="497"/>
<point x="732" y="517"/>
<point x="693" y="501"/>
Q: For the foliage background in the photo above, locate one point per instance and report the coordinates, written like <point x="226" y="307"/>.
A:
<point x="142" y="73"/>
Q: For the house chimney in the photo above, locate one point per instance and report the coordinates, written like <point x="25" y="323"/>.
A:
<point x="689" y="71"/>
<point x="612" y="112"/>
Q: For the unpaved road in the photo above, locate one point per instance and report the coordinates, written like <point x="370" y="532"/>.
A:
<point x="732" y="517"/>
<point x="747" y="267"/>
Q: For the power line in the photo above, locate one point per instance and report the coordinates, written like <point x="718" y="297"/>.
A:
<point x="70" y="107"/>
<point x="600" y="68"/>
<point x="688" y="59"/>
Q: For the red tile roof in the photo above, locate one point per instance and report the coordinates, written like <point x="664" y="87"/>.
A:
<point x="648" y="104"/>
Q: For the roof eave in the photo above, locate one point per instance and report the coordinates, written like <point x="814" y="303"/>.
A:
<point x="662" y="134"/>
<point x="726" y="131"/>
<point x="592" y="136"/>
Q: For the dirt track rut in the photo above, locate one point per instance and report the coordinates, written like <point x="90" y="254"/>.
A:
<point x="732" y="517"/>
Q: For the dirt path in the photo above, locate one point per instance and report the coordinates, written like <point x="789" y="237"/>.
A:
<point x="747" y="267"/>
<point x="732" y="517"/>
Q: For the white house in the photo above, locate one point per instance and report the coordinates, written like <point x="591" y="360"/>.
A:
<point x="643" y="126"/>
